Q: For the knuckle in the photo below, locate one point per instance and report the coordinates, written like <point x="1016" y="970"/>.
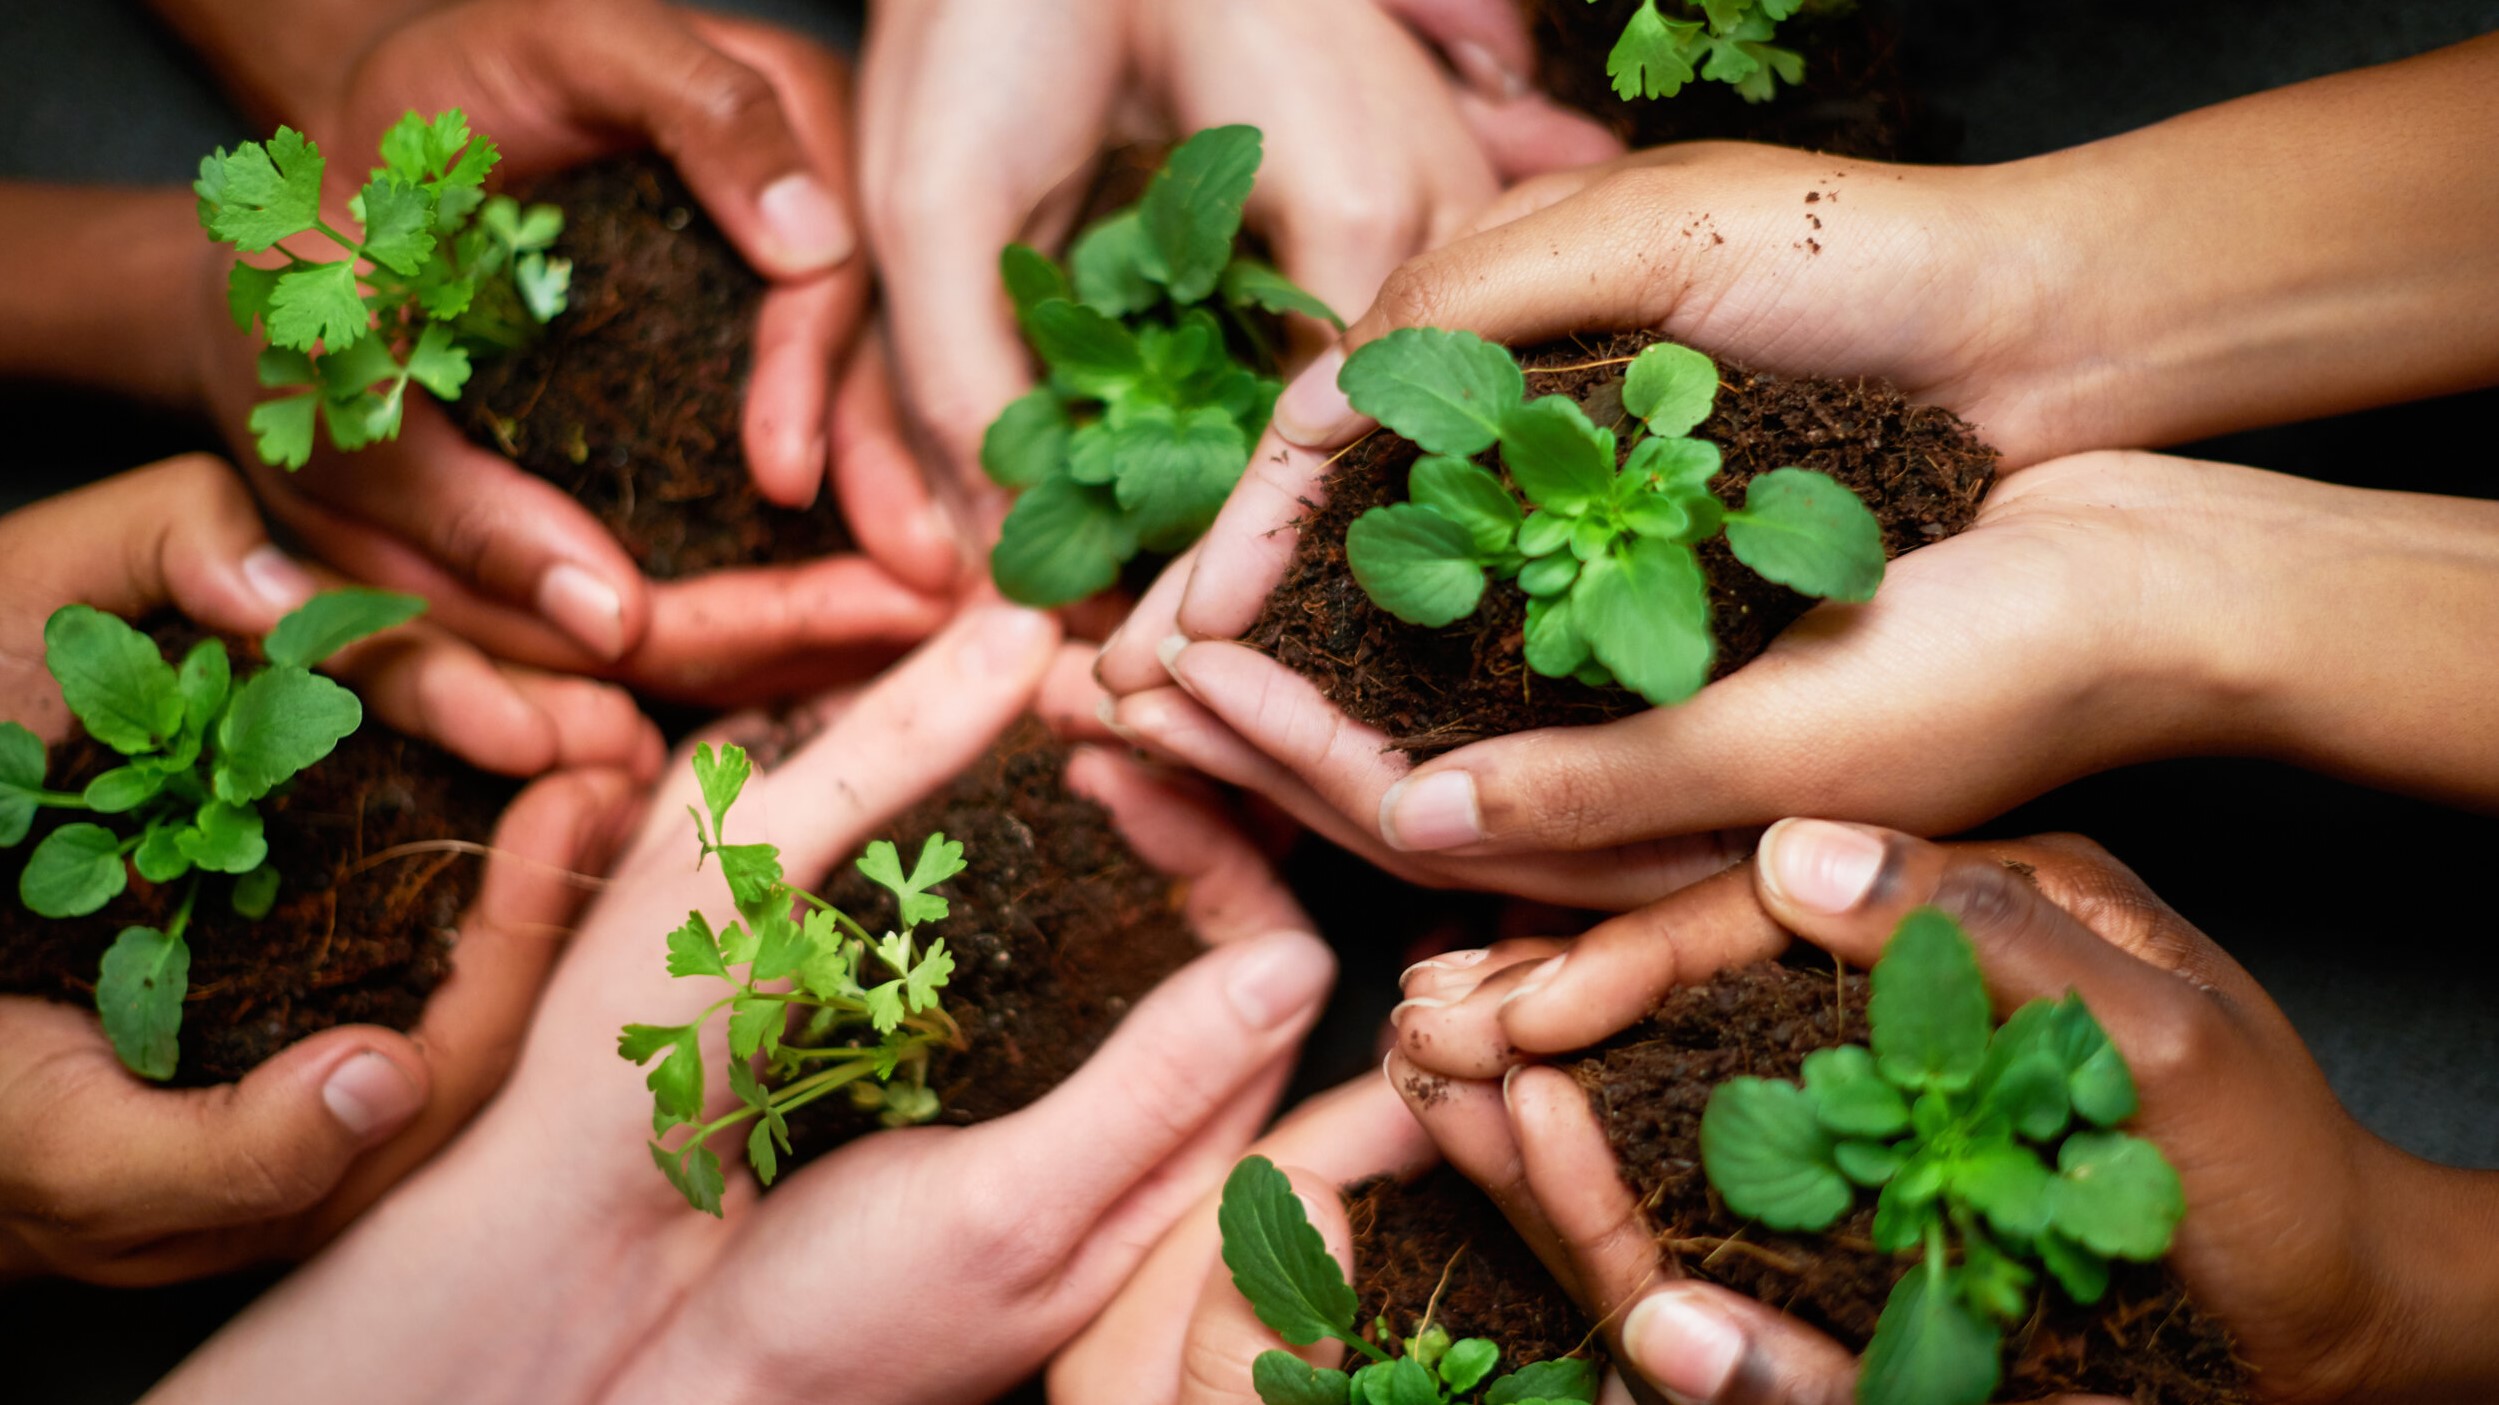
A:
<point x="1414" y="295"/>
<point x="723" y="95"/>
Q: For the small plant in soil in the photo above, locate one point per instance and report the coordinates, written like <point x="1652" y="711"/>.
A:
<point x="1603" y="547"/>
<point x="862" y="1011"/>
<point x="1160" y="339"/>
<point x="1283" y="1267"/>
<point x="437" y="272"/>
<point x="1955" y="1122"/>
<point x="1727" y="41"/>
<point x="201" y="748"/>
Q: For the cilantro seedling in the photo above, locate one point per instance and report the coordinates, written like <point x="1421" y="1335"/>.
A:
<point x="873" y="1013"/>
<point x="1717" y="41"/>
<point x="1603" y="550"/>
<point x="201" y="748"/>
<point x="1955" y="1121"/>
<point x="1159" y="339"/>
<point x="437" y="273"/>
<point x="1283" y="1267"/>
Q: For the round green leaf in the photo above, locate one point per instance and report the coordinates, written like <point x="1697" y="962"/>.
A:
<point x="1555" y="647"/>
<point x="1671" y="387"/>
<point x="1868" y="1163"/>
<point x="1769" y="1158"/>
<point x="1929" y="1008"/>
<point x="2116" y="1195"/>
<point x="1108" y="263"/>
<point x="1549" y="576"/>
<point x="1545" y="532"/>
<point x="225" y="839"/>
<point x="2008" y="1184"/>
<point x="1469" y="496"/>
<point x="2030" y="1094"/>
<point x="1679" y="468"/>
<point x="113" y="678"/>
<point x="1644" y="609"/>
<point x="1446" y="391"/>
<point x="1805" y="531"/>
<point x="1929" y="1348"/>
<point x="1556" y="1378"/>
<point x="204" y="679"/>
<point x="2084" y="1274"/>
<point x="123" y="789"/>
<point x="1556" y="455"/>
<point x="1468" y="1362"/>
<point x="278" y="722"/>
<point x="1281" y="1378"/>
<point x="1850" y="1097"/>
<point x="255" y="892"/>
<point x="138" y="992"/>
<point x="1415" y="564"/>
<point x="75" y="870"/>
<point x="334" y="619"/>
<point x="159" y="857"/>
<point x="1062" y="541"/>
<point x="21" y="777"/>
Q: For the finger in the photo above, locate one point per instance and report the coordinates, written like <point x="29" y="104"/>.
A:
<point x="1571" y="1176"/>
<point x="1072" y="703"/>
<point x="1470" y="1123"/>
<point x="728" y="634"/>
<point x="1713" y="1347"/>
<point x="597" y="725"/>
<point x="1449" y="1022"/>
<point x="883" y="491"/>
<point x="1531" y="135"/>
<point x="1452" y="976"/>
<point x="1131" y="660"/>
<point x="1225" y="1336"/>
<point x="183" y="531"/>
<point x="789" y="387"/>
<point x="1177" y="828"/>
<point x="1243" y="556"/>
<point x="1486" y="41"/>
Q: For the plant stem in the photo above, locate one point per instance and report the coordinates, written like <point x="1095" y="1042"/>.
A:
<point x="182" y="914"/>
<point x="350" y="245"/>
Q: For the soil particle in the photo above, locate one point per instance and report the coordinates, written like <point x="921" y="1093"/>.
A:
<point x="634" y="399"/>
<point x="1430" y="690"/>
<point x="1438" y="1245"/>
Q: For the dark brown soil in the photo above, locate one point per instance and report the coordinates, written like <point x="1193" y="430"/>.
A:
<point x="1057" y="929"/>
<point x="633" y="400"/>
<point x="1440" y="1238"/>
<point x="347" y="943"/>
<point x="1918" y="466"/>
<point x="1854" y="100"/>
<point x="2147" y="1342"/>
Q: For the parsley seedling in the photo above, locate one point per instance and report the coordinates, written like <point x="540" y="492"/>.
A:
<point x="1955" y="1121"/>
<point x="1283" y="1267"/>
<point x="1159" y="343"/>
<point x="1604" y="552"/>
<point x="1729" y="42"/>
<point x="439" y="272"/>
<point x="202" y="748"/>
<point x="832" y="966"/>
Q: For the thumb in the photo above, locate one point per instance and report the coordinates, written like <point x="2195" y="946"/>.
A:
<point x="1225" y="1336"/>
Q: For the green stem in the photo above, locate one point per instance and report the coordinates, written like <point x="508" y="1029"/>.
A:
<point x="839" y="916"/>
<point x="57" y="799"/>
<point x="350" y="245"/>
<point x="182" y="914"/>
<point x="1359" y="1343"/>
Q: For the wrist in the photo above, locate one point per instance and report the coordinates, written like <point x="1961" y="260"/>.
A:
<point x="2435" y="1241"/>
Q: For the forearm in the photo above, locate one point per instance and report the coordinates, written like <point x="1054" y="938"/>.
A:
<point x="102" y="282"/>
<point x="284" y="60"/>
<point x="2428" y="1337"/>
<point x="2303" y="252"/>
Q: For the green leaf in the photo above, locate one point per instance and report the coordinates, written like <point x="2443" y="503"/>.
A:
<point x="1468" y="1362"/>
<point x="1446" y="391"/>
<point x="1560" y="1378"/>
<point x="694" y="949"/>
<point x="1028" y="440"/>
<point x="722" y="775"/>
<point x="1849" y="1095"/>
<point x="398" y="224"/>
<point x="439" y="363"/>
<point x="255" y="893"/>
<point x="2007" y="1183"/>
<point x="1278" y="1261"/>
<point x="759" y="1153"/>
<point x="159" y="857"/>
<point x="676" y="1083"/>
<point x="21" y="778"/>
<point x="247" y="294"/>
<point x="1469" y="496"/>
<point x="1031" y="276"/>
<point x="1555" y="647"/>
<point x="1250" y="283"/>
<point x="1652" y="58"/>
<point x="121" y="790"/>
<point x="1995" y="1286"/>
<point x="2084" y="1274"/>
<point x="139" y="993"/>
<point x="225" y="839"/>
<point x="1087" y="350"/>
<point x="1404" y="1381"/>
<point x="316" y="305"/>
<point x="1644" y="609"/>
<point x="1805" y="531"/>
<point x="1557" y="458"/>
<point x="1546" y="530"/>
<point x="262" y="193"/>
<point x="74" y="871"/>
<point x="920" y="988"/>
<point x="278" y="722"/>
<point x="1415" y="563"/>
<point x="2097" y="1081"/>
<point x="282" y="430"/>
<point x="1281" y="1378"/>
<point x="1680" y="469"/>
<point x="754" y="1025"/>
<point x="1769" y="1157"/>
<point x="1192" y="209"/>
<point x="1548" y="576"/>
<point x="2116" y="1195"/>
<point x="1906" y="1208"/>
<point x="2030" y="1095"/>
<point x="1109" y="266"/>
<point x="1063" y="541"/>
<point x="1174" y="473"/>
<point x="695" y="1173"/>
<point x="1929" y="1348"/>
<point x="1929" y="1007"/>
<point x="546" y="285"/>
<point x="940" y="859"/>
<point x="276" y="367"/>
<point x="334" y="619"/>
<point x="637" y="1042"/>
<point x="203" y="681"/>
<point x="1671" y="388"/>
<point x="1868" y="1163"/>
<point x="113" y="679"/>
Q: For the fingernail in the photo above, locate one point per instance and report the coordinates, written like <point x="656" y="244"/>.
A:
<point x="1682" y="1346"/>
<point x="807" y="222"/>
<point x="1313" y="412"/>
<point x="1397" y="1013"/>
<point x="1536" y="980"/>
<point x="277" y="579"/>
<point x="1820" y="866"/>
<point x="1279" y="977"/>
<point x="1107" y="711"/>
<point x="1170" y="649"/>
<point x="1422" y="814"/>
<point x="585" y="607"/>
<point x="370" y="1095"/>
<point x="1003" y="640"/>
<point x="1446" y="961"/>
<point x="1484" y="73"/>
<point x="1507" y="1075"/>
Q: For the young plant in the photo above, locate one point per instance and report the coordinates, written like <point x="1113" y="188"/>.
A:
<point x="1956" y="1122"/>
<point x="1728" y="42"/>
<point x="1283" y="1267"/>
<point x="1159" y="343"/>
<point x="201" y="749"/>
<point x="872" y="1010"/>
<point x="438" y="271"/>
<point x="1603" y="551"/>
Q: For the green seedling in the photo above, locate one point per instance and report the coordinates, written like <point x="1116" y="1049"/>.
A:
<point x="1283" y="1267"/>
<point x="437" y="273"/>
<point x="1955" y="1122"/>
<point x="871" y="1005"/>
<point x="1603" y="548"/>
<point x="1717" y="41"/>
<point x="201" y="748"/>
<point x="1160" y="343"/>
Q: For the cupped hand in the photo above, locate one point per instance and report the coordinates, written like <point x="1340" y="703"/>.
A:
<point x="2329" y="1254"/>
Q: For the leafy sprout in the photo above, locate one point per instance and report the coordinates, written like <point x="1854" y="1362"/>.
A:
<point x="1283" y="1267"/>
<point x="871" y="1004"/>
<point x="1955" y="1122"/>
<point x="438" y="272"/>
<point x="201" y="748"/>
<point x="1158" y="338"/>
<point x="1603" y="549"/>
<point x="1718" y="41"/>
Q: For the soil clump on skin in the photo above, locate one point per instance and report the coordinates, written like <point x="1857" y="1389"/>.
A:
<point x="351" y="940"/>
<point x="1855" y="100"/>
<point x="633" y="400"/>
<point x="1438" y="1244"/>
<point x="1057" y="929"/>
<point x="1919" y="467"/>
<point x="2146" y="1342"/>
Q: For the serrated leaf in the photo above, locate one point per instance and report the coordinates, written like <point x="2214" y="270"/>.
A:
<point x="282" y="430"/>
<point x="928" y="977"/>
<point x="439" y="363"/>
<point x="278" y="722"/>
<point x="262" y="193"/>
<point x="676" y="1082"/>
<point x="1805" y="531"/>
<point x="398" y="224"/>
<point x="545" y="285"/>
<point x="334" y="619"/>
<point x="1469" y="496"/>
<point x="1281" y="1378"/>
<point x="940" y="859"/>
<point x="1555" y="455"/>
<point x="255" y="893"/>
<point x="696" y="1175"/>
<point x="780" y="945"/>
<point x="694" y="949"/>
<point x="1560" y="1378"/>
<point x="74" y="871"/>
<point x="638" y="1042"/>
<point x="753" y="1026"/>
<point x="2008" y="1184"/>
<point x="225" y="838"/>
<point x="722" y="776"/>
<point x="247" y="294"/>
<point x="1108" y="265"/>
<point x="1174" y="474"/>
<point x="1850" y="1097"/>
<point x="138" y="992"/>
<point x="1250" y="283"/>
<point x="1191" y="210"/>
<point x="1929" y="1348"/>
<point x="1090" y="352"/>
<point x="1644" y="609"/>
<point x="1652" y="58"/>
<point x="1768" y="1156"/>
<point x="885" y="1006"/>
<point x="1929" y="1008"/>
<point x="346" y="370"/>
<point x="1415" y="563"/>
<point x="1063" y="541"/>
<point x="1028" y="440"/>
<point x="1446" y="391"/>
<point x="316" y="306"/>
<point x="1468" y="1362"/>
<point x="1277" y="1260"/>
<point x="1031" y="277"/>
<point x="2116" y="1196"/>
<point x="113" y="679"/>
<point x="760" y="1155"/>
<point x="1671" y="388"/>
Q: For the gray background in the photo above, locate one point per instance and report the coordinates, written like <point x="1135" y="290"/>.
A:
<point x="2353" y="907"/>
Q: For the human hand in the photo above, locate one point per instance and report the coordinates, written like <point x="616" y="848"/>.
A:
<point x="2310" y="1238"/>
